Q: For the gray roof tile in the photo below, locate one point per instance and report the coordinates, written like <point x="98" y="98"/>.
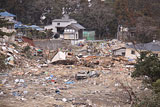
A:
<point x="152" y="46"/>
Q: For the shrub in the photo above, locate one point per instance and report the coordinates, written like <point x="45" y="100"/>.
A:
<point x="152" y="101"/>
<point x="149" y="65"/>
<point x="156" y="86"/>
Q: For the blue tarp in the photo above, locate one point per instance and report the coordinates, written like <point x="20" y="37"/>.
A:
<point x="6" y="14"/>
<point x="20" y="25"/>
<point x="69" y="82"/>
<point x="26" y="26"/>
<point x="39" y="29"/>
<point x="35" y="27"/>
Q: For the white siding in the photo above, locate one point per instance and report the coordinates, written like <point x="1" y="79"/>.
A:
<point x="120" y="52"/>
<point x="69" y="36"/>
<point x="130" y="55"/>
<point x="61" y="24"/>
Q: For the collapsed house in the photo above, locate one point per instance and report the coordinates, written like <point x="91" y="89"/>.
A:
<point x="132" y="51"/>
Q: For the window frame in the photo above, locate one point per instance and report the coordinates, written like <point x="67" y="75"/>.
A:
<point x="133" y="52"/>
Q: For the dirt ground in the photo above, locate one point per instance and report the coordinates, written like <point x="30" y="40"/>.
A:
<point x="35" y="90"/>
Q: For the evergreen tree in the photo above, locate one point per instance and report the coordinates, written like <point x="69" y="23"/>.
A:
<point x="147" y="65"/>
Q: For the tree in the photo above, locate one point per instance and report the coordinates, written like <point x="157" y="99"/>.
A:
<point x="101" y="16"/>
<point x="140" y="14"/>
<point x="29" y="11"/>
<point x="147" y="65"/>
<point x="123" y="13"/>
<point x="95" y="16"/>
<point x="112" y="28"/>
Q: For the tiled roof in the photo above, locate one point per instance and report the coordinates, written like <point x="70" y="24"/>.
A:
<point x="152" y="46"/>
<point x="76" y="26"/>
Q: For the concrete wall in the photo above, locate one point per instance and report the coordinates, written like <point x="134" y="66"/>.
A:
<point x="51" y="44"/>
<point x="74" y="42"/>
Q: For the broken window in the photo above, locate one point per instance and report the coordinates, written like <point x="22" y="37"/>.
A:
<point x="132" y="52"/>
<point x="123" y="53"/>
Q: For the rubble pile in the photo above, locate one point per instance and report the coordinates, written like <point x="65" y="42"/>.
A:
<point x="87" y="76"/>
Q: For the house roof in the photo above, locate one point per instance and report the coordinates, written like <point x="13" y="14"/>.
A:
<point x="63" y="20"/>
<point x="6" y="14"/>
<point x="76" y="26"/>
<point x="152" y="46"/>
<point x="20" y="25"/>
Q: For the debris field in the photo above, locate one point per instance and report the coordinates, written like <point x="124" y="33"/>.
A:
<point x="83" y="76"/>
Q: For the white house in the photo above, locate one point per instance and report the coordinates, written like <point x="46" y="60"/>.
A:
<point x="58" y="25"/>
<point x="73" y="31"/>
<point x="67" y="29"/>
